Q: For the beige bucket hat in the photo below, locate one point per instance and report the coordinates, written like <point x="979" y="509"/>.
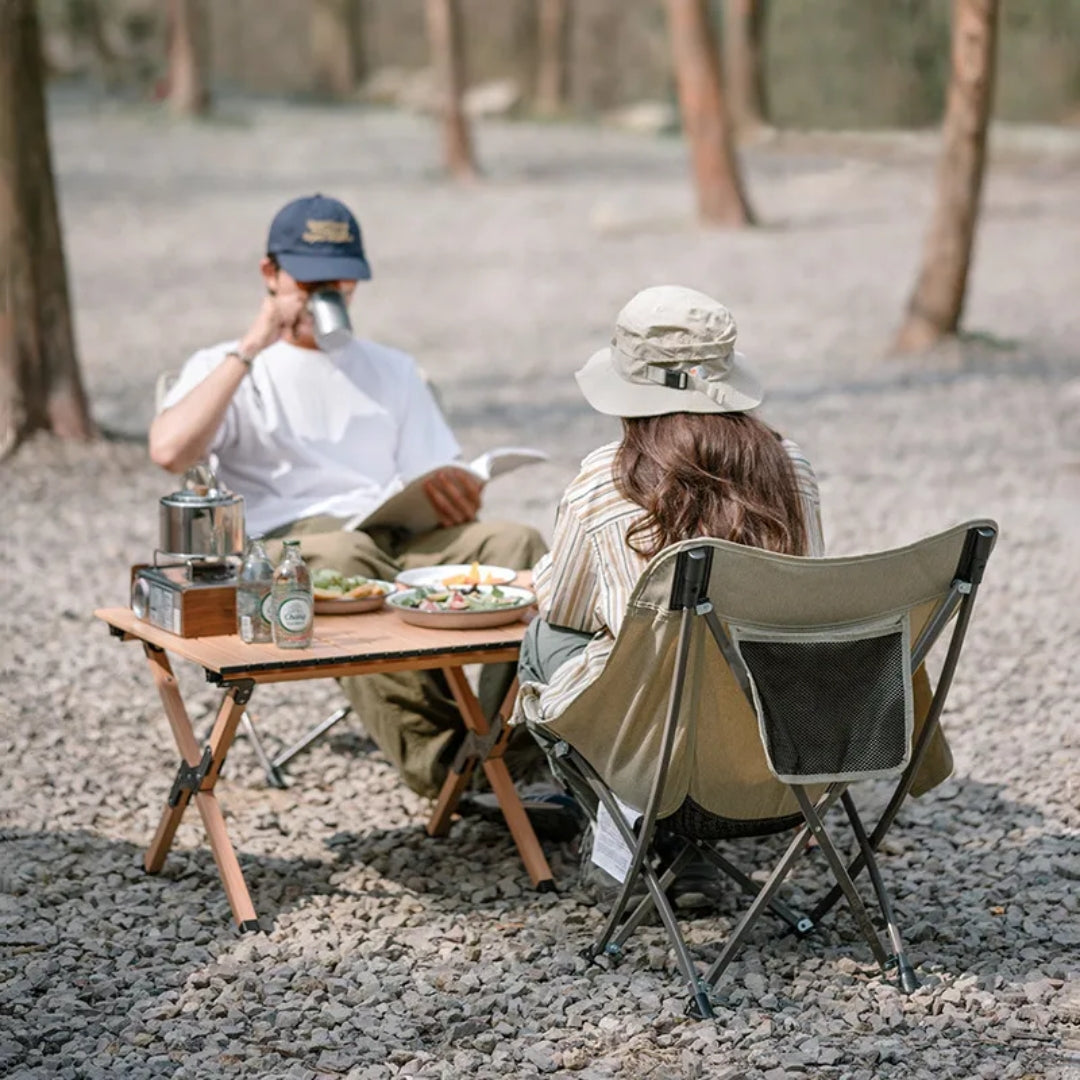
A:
<point x="673" y="351"/>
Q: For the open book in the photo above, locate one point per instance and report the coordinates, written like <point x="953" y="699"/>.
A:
<point x="409" y="507"/>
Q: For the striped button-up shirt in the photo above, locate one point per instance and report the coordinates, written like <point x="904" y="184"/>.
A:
<point x="585" y="581"/>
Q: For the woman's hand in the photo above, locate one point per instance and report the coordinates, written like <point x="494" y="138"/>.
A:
<point x="455" y="494"/>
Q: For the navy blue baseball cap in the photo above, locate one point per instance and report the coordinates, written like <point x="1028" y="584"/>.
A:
<point x="316" y="238"/>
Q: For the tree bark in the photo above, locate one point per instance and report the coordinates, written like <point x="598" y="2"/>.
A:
<point x="553" y="43"/>
<point x="448" y="60"/>
<point x="189" y="92"/>
<point x="744" y="71"/>
<point x="333" y="47"/>
<point x="937" y="301"/>
<point x="40" y="384"/>
<point x="720" y="193"/>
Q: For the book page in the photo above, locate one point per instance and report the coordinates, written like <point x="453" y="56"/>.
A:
<point x="409" y="507"/>
<point x="505" y="459"/>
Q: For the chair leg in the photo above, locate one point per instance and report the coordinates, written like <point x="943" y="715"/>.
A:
<point x="909" y="982"/>
<point x="699" y="1003"/>
<point x="273" y="776"/>
<point x="759" y="904"/>
<point x="309" y="737"/>
<point x="799" y="923"/>
<point x="854" y="868"/>
<point x="767" y="892"/>
<point x="836" y="864"/>
<point x="645" y="905"/>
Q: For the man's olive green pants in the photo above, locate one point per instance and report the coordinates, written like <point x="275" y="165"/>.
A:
<point x="411" y="715"/>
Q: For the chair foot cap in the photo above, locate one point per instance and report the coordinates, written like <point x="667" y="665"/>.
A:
<point x="909" y="981"/>
<point x="700" y="1007"/>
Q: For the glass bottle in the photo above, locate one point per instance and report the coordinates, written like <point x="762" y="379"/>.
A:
<point x="292" y="601"/>
<point x="253" y="585"/>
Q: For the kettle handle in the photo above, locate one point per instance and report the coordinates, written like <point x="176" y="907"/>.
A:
<point x="202" y="478"/>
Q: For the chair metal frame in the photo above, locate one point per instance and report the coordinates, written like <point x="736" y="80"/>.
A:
<point x="272" y="766"/>
<point x="689" y="595"/>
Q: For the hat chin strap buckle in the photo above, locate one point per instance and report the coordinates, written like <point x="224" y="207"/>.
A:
<point x="673" y="380"/>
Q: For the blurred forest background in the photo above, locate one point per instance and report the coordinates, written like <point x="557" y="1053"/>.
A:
<point x="724" y="72"/>
<point x="825" y="63"/>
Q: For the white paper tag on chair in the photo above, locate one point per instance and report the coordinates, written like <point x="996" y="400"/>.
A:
<point x="609" y="851"/>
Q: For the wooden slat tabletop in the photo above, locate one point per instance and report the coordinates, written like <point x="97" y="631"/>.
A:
<point x="343" y="645"/>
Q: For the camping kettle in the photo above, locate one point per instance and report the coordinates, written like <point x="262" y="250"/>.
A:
<point x="202" y="520"/>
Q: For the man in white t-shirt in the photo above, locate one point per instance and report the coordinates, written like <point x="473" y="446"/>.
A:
<point x="312" y="439"/>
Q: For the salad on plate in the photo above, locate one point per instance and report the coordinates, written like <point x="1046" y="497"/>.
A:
<point x="329" y="584"/>
<point x="440" y="599"/>
<point x="339" y="594"/>
<point x="468" y="607"/>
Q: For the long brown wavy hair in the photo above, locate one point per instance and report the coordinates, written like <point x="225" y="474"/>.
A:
<point x="724" y="475"/>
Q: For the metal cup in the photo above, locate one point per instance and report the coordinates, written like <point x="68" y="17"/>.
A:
<point x="333" y="330"/>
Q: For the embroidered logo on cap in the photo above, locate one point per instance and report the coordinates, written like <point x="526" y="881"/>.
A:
<point x="327" y="232"/>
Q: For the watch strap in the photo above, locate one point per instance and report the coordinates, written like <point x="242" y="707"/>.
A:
<point x="247" y="361"/>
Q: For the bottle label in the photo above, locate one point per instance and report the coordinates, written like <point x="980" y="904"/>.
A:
<point x="294" y="613"/>
<point x="247" y="631"/>
<point x="266" y="609"/>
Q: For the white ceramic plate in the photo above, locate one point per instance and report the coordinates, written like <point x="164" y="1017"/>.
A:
<point x="437" y="575"/>
<point x="349" y="605"/>
<point x="464" y="620"/>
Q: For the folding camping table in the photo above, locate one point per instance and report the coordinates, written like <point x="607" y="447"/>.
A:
<point x="343" y="645"/>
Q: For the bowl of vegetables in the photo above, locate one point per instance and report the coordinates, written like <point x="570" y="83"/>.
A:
<point x="340" y="594"/>
<point x="469" y="608"/>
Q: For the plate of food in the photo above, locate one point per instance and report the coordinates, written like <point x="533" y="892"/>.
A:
<point x="457" y="576"/>
<point x="339" y="594"/>
<point x="470" y="608"/>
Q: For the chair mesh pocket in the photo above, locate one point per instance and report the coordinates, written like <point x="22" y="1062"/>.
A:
<point x="832" y="707"/>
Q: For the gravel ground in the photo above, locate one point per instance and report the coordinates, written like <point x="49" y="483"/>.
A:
<point x="385" y="953"/>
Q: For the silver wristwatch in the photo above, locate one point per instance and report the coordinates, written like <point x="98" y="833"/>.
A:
<point x="247" y="361"/>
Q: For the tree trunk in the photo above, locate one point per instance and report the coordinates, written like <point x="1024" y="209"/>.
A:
<point x="553" y="42"/>
<point x="938" y="299"/>
<point x="189" y="93"/>
<point x="720" y="194"/>
<point x="333" y="47"/>
<point x="744" y="25"/>
<point x="40" y="385"/>
<point x="448" y="60"/>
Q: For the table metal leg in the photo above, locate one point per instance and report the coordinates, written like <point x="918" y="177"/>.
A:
<point x="198" y="774"/>
<point x="273" y="774"/>
<point x="532" y="855"/>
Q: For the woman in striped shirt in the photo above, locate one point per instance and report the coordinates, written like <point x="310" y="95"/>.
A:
<point x="694" y="460"/>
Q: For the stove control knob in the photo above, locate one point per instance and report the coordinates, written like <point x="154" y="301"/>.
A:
<point x="140" y="598"/>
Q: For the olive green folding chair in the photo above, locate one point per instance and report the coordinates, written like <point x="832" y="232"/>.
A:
<point x="746" y="692"/>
